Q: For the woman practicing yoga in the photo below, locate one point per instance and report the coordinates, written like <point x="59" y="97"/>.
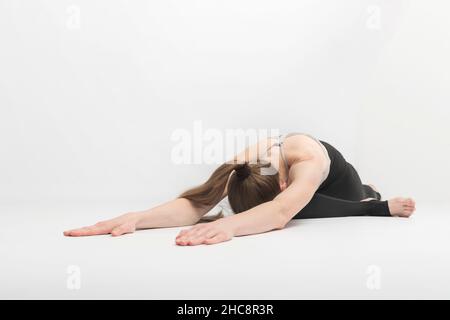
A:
<point x="278" y="179"/>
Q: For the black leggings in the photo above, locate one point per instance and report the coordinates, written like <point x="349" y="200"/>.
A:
<point x="341" y="193"/>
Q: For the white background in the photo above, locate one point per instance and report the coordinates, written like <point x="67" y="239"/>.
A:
<point x="88" y="106"/>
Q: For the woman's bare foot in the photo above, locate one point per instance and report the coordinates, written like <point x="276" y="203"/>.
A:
<point x="401" y="207"/>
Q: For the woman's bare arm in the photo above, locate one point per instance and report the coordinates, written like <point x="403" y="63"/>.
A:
<point x="305" y="175"/>
<point x="277" y="213"/>
<point x="267" y="216"/>
<point x="175" y="213"/>
<point x="178" y="212"/>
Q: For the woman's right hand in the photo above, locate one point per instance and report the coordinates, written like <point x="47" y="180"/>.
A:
<point x="116" y="227"/>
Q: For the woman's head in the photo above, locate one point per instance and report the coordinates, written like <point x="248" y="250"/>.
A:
<point x="246" y="184"/>
<point x="249" y="186"/>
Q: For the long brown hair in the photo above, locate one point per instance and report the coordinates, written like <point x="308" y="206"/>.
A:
<point x="247" y="187"/>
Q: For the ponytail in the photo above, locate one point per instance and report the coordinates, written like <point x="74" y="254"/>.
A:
<point x="247" y="187"/>
<point x="210" y="192"/>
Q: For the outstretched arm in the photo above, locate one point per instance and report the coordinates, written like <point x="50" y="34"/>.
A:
<point x="305" y="176"/>
<point x="179" y="212"/>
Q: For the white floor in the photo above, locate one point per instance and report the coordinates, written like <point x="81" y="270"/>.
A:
<point x="324" y="258"/>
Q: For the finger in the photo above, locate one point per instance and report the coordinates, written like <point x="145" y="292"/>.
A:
<point x="86" y="231"/>
<point x="181" y="241"/>
<point x="183" y="236"/>
<point x="182" y="233"/>
<point x="186" y="239"/>
<point x="200" y="233"/>
<point x="196" y="241"/>
<point x="74" y="232"/>
<point x="102" y="227"/>
<point x="191" y="233"/>
<point x="199" y="239"/>
<point x="194" y="233"/>
<point x="216" y="239"/>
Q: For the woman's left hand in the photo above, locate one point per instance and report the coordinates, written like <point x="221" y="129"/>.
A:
<point x="205" y="233"/>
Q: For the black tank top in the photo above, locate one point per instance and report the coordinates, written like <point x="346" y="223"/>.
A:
<point x="337" y="166"/>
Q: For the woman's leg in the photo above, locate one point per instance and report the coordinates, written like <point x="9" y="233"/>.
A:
<point x="347" y="185"/>
<point x="341" y="195"/>
<point x="324" y="206"/>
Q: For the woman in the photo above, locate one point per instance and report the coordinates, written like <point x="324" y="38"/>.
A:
<point x="278" y="179"/>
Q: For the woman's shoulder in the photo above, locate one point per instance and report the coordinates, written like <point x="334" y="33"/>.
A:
<point x="297" y="138"/>
<point x="299" y="135"/>
<point x="301" y="145"/>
